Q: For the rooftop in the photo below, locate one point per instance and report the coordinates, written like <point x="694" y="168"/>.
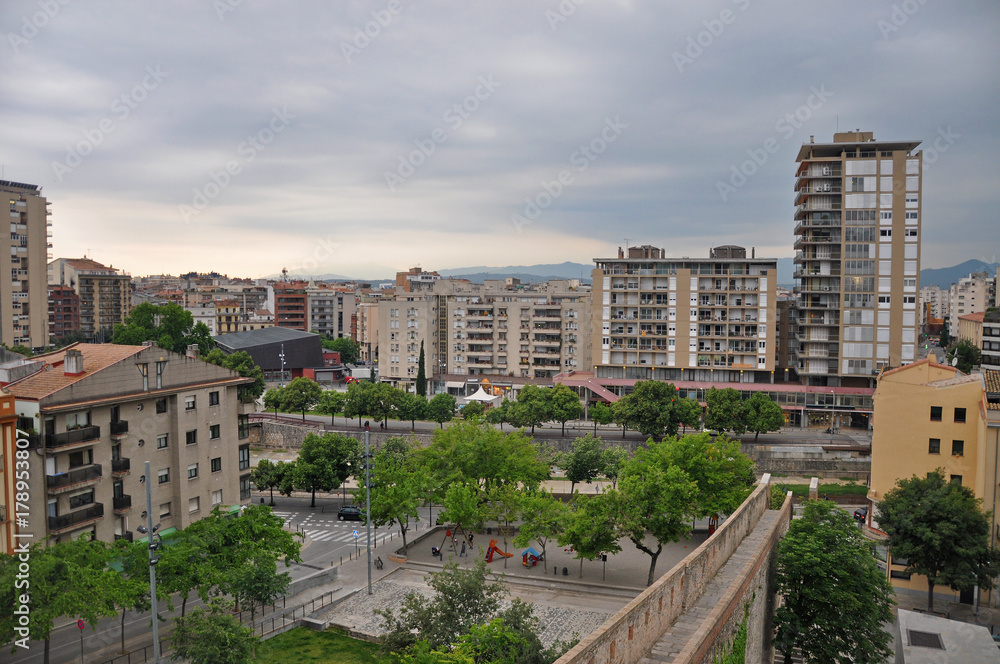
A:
<point x="268" y="335"/>
<point x="976" y="317"/>
<point x="51" y="378"/>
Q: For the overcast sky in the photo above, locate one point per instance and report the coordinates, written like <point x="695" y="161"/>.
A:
<point x="361" y="138"/>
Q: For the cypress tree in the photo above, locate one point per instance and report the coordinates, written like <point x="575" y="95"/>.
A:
<point x="421" y="374"/>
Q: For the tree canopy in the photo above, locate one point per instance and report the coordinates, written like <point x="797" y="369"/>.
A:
<point x="564" y="405"/>
<point x="531" y="408"/>
<point x="723" y="474"/>
<point x="584" y="461"/>
<point x="170" y="326"/>
<point x="652" y="409"/>
<point x="324" y="462"/>
<point x="724" y="410"/>
<point x="301" y="395"/>
<point x="441" y="408"/>
<point x="940" y="529"/>
<point x="349" y="349"/>
<point x="761" y="414"/>
<point x="243" y="364"/>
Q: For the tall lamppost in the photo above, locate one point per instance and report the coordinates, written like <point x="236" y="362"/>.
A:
<point x="281" y="356"/>
<point x="368" y="504"/>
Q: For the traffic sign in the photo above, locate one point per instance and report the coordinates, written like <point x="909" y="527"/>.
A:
<point x="79" y="623"/>
<point x="355" y="533"/>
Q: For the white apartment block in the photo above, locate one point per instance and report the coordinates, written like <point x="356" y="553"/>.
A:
<point x="970" y="295"/>
<point x="857" y="262"/>
<point x="933" y="302"/>
<point x="330" y="311"/>
<point x="24" y="317"/>
<point x="404" y="322"/>
<point x="709" y="319"/>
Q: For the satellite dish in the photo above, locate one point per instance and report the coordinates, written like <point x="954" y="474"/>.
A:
<point x="954" y="361"/>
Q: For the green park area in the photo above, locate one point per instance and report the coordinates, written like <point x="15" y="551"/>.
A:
<point x="306" y="646"/>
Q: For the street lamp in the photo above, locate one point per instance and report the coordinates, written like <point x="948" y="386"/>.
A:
<point x="152" y="545"/>
<point x="281" y="356"/>
<point x="368" y="505"/>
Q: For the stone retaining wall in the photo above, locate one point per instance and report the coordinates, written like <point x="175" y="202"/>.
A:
<point x="629" y="634"/>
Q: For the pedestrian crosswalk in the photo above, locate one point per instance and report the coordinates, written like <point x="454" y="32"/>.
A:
<point x="325" y="528"/>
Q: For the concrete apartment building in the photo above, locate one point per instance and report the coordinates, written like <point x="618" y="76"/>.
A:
<point x="97" y="412"/>
<point x="933" y="304"/>
<point x="64" y="312"/>
<point x="404" y="322"/>
<point x="857" y="262"/>
<point x="368" y="327"/>
<point x="331" y="311"/>
<point x="970" y="295"/>
<point x="415" y="279"/>
<point x="290" y="304"/>
<point x="928" y="416"/>
<point x="105" y="293"/>
<point x="24" y="297"/>
<point x="991" y="340"/>
<point x="8" y="460"/>
<point x="709" y="319"/>
<point x="970" y="328"/>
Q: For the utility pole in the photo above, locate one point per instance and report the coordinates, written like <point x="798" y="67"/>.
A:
<point x="368" y="504"/>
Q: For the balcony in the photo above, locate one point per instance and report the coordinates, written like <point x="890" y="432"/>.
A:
<point x="74" y="479"/>
<point x="119" y="429"/>
<point x="127" y="536"/>
<point x="74" y="437"/>
<point x="75" y="519"/>
<point x="122" y="504"/>
<point x="120" y="467"/>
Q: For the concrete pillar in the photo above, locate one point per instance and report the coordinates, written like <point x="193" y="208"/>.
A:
<point x="814" y="489"/>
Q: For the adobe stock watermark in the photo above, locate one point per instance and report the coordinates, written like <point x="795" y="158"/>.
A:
<point x="899" y="15"/>
<point x="365" y="34"/>
<point x="939" y="145"/>
<point x="21" y="619"/>
<point x="223" y="7"/>
<point x="714" y="27"/>
<point x="563" y="11"/>
<point x="580" y="160"/>
<point x="122" y="107"/>
<point x="785" y="127"/>
<point x="247" y="151"/>
<point x="408" y="163"/>
<point x="30" y="25"/>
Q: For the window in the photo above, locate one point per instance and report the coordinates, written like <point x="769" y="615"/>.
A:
<point x="243" y="426"/>
<point x="957" y="447"/>
<point x="245" y="487"/>
<point x="159" y="373"/>
<point x="161" y="441"/>
<point x="144" y="371"/>
<point x="899" y="574"/>
<point x="244" y="457"/>
<point x="213" y="398"/>
<point x="213" y="431"/>
<point x="957" y="479"/>
<point x="217" y="497"/>
<point x="164" y="510"/>
<point x="194" y="504"/>
<point x="189" y="403"/>
<point x="80" y="458"/>
<point x="192" y="471"/>
<point x="163" y="475"/>
<point x="960" y="415"/>
<point x="935" y="446"/>
<point x="935" y="413"/>
<point x="217" y="464"/>
<point x="81" y="499"/>
<point x="161" y="406"/>
<point x="191" y="437"/>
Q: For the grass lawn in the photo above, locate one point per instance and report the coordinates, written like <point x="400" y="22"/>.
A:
<point x="304" y="646"/>
<point x="802" y="490"/>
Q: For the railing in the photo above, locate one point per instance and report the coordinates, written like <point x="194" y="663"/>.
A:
<point x="120" y="466"/>
<point x="84" y="474"/>
<point x="119" y="428"/>
<point x="72" y="437"/>
<point x="73" y="518"/>
<point x="122" y="503"/>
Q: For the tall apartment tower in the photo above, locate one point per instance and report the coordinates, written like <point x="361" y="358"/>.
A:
<point x="857" y="261"/>
<point x="24" y="297"/>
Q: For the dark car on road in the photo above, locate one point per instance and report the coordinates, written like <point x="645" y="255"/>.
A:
<point x="861" y="514"/>
<point x="349" y="513"/>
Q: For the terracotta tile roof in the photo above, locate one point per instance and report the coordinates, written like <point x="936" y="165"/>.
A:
<point x="992" y="380"/>
<point x="976" y="318"/>
<point x="52" y="379"/>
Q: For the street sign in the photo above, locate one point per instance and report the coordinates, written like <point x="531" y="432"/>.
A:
<point x="355" y="533"/>
<point x="79" y="623"/>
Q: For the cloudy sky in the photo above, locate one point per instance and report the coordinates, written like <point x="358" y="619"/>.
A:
<point x="364" y="137"/>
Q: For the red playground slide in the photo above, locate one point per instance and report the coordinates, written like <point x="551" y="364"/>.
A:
<point x="495" y="549"/>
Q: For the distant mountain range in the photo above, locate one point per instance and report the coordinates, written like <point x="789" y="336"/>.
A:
<point x="942" y="277"/>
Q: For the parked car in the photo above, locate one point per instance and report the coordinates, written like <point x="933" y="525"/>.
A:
<point x="861" y="514"/>
<point x="349" y="513"/>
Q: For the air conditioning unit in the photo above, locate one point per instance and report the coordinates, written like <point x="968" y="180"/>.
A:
<point x="826" y="187"/>
<point x="826" y="170"/>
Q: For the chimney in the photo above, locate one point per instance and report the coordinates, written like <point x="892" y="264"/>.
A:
<point x="193" y="351"/>
<point x="753" y="252"/>
<point x="812" y="138"/>
<point x="73" y="362"/>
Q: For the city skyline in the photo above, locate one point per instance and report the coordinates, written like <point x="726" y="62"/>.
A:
<point x="362" y="140"/>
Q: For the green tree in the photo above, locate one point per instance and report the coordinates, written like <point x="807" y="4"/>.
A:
<point x="184" y="566"/>
<point x="653" y="497"/>
<point x="531" y="408"/>
<point x="421" y="373"/>
<point x="169" y="325"/>
<point x="357" y="402"/>
<point x="256" y="581"/>
<point x="613" y="459"/>
<point x="324" y="462"/>
<point x="410" y="407"/>
<point x="600" y="413"/>
<point x="382" y="400"/>
<point x="243" y="364"/>
<point x="762" y="415"/>
<point x="349" y="349"/>
<point x="724" y="410"/>
<point x="591" y="528"/>
<point x="650" y="409"/>
<point x="129" y="589"/>
<point x="398" y="487"/>
<point x="583" y="462"/>
<point x="461" y="506"/>
<point x="274" y="399"/>
<point x="964" y="355"/>
<point x="688" y="413"/>
<point x="266" y="477"/>
<point x="940" y="529"/>
<point x="330" y="403"/>
<point x="543" y="518"/>
<point x="564" y="405"/>
<point x="441" y="408"/>
<point x="502" y="505"/>
<point x="723" y="474"/>
<point x="945" y="340"/>
<point x="824" y="573"/>
<point x="301" y="395"/>
<point x="499" y="414"/>
<point x="473" y="409"/>
<point x="212" y="637"/>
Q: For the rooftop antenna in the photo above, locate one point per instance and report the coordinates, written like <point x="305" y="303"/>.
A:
<point x="626" y="244"/>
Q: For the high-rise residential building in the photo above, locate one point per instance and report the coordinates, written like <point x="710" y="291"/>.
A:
<point x="290" y="304"/>
<point x="857" y="262"/>
<point x="330" y="310"/>
<point x="933" y="305"/>
<point x="696" y="319"/>
<point x="105" y="293"/>
<point x="970" y="295"/>
<point x="991" y="340"/>
<point x="415" y="279"/>
<point x="95" y="412"/>
<point x="64" y="312"/>
<point x="367" y="326"/>
<point x="24" y="297"/>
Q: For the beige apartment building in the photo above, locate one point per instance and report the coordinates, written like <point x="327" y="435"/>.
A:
<point x="970" y="295"/>
<point x="929" y="416"/>
<point x="368" y="327"/>
<point x="24" y="297"/>
<point x="933" y="303"/>
<point x="406" y="321"/>
<point x="857" y="263"/>
<point x="685" y="319"/>
<point x="105" y="293"/>
<point x="97" y="412"/>
<point x="330" y="310"/>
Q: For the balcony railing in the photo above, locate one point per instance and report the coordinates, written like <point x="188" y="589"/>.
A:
<point x="65" y="521"/>
<point x="122" y="503"/>
<point x="120" y="466"/>
<point x="85" y="434"/>
<point x="119" y="428"/>
<point x="73" y="477"/>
